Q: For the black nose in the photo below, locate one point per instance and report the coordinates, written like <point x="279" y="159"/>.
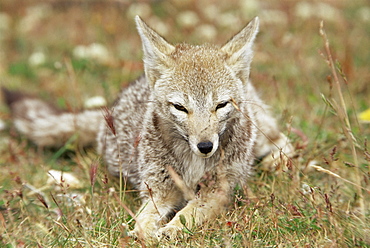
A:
<point x="205" y="147"/>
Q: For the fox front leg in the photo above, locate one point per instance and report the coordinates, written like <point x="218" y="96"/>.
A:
<point x="146" y="221"/>
<point x="154" y="212"/>
<point x="202" y="208"/>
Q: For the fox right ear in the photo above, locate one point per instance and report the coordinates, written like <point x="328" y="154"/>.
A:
<point x="156" y="50"/>
<point x="239" y="49"/>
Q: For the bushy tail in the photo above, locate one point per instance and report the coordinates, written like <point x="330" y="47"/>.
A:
<point x="46" y="125"/>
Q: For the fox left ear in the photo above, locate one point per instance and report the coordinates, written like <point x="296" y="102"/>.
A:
<point x="239" y="49"/>
<point x="156" y="51"/>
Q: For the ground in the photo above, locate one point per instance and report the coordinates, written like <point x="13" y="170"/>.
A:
<point x="69" y="51"/>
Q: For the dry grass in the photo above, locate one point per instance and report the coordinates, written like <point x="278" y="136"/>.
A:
<point x="316" y="87"/>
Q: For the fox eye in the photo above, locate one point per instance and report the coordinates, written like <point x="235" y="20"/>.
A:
<point x="221" y="105"/>
<point x="180" y="107"/>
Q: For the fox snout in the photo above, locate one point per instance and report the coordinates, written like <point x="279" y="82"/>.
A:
<point x="205" y="147"/>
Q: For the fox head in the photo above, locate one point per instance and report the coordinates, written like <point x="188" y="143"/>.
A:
<point x="196" y="87"/>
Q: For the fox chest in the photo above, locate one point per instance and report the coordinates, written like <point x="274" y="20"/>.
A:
<point x="196" y="169"/>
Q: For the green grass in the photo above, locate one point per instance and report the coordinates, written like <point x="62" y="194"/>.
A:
<point x="300" y="207"/>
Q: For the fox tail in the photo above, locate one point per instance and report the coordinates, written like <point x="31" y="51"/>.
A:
<point x="46" y="125"/>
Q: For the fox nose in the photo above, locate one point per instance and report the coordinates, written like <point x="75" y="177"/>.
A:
<point x="205" y="147"/>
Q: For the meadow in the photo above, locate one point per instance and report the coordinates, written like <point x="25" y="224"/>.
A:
<point x="311" y="65"/>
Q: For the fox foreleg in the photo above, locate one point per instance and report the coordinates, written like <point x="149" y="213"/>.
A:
<point x="154" y="212"/>
<point x="210" y="202"/>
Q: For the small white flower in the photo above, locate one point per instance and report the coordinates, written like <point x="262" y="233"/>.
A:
<point x="320" y="10"/>
<point x="141" y="9"/>
<point x="364" y="14"/>
<point x="304" y="10"/>
<point x="211" y="12"/>
<point x="95" y="102"/>
<point x="250" y="7"/>
<point x="37" y="58"/>
<point x="80" y="52"/>
<point x="229" y="19"/>
<point x="98" y="51"/>
<point x="34" y="16"/>
<point x="188" y="19"/>
<point x="206" y="31"/>
<point x="94" y="51"/>
<point x="327" y="12"/>
<point x="58" y="65"/>
<point x="159" y="25"/>
<point x="273" y="17"/>
<point x="2" y="125"/>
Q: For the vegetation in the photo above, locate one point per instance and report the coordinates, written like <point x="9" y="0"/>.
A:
<point x="315" y="76"/>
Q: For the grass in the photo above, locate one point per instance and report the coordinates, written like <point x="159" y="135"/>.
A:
<point x="325" y="205"/>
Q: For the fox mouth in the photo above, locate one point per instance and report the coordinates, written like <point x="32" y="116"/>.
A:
<point x="206" y="155"/>
<point x="203" y="155"/>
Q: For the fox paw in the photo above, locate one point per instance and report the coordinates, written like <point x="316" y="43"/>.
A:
<point x="148" y="232"/>
<point x="132" y="234"/>
<point x="169" y="232"/>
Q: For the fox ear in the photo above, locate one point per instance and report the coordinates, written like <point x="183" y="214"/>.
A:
<point x="156" y="50"/>
<point x="239" y="49"/>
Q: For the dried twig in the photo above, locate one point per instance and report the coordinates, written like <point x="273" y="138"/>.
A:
<point x="152" y="198"/>
<point x="321" y="169"/>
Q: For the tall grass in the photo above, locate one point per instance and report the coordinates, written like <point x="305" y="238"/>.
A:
<point x="341" y="111"/>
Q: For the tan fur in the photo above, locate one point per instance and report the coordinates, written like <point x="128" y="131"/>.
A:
<point x="187" y="132"/>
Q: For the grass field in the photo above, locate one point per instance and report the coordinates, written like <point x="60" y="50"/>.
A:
<point x="67" y="51"/>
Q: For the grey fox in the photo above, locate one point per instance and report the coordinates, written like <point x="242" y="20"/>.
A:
<point x="184" y="134"/>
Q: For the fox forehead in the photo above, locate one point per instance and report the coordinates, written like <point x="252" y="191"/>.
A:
<point x="198" y="61"/>
<point x="205" y="55"/>
<point x="200" y="72"/>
